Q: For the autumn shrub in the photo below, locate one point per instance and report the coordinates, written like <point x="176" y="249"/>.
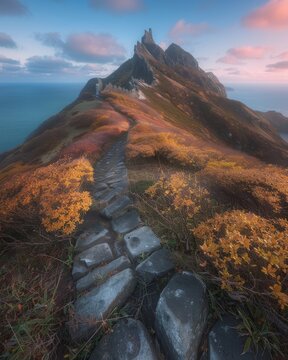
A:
<point x="52" y="194"/>
<point x="181" y="203"/>
<point x="262" y="189"/>
<point x="249" y="254"/>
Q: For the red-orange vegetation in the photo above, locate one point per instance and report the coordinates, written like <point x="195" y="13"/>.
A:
<point x="52" y="194"/>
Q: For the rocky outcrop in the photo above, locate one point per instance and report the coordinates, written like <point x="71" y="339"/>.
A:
<point x="176" y="56"/>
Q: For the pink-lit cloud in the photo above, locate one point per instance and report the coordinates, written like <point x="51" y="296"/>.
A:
<point x="235" y="56"/>
<point x="272" y="15"/>
<point x="278" y="66"/>
<point x="183" y="30"/>
<point x="118" y="5"/>
<point x="85" y="47"/>
<point x="283" y="56"/>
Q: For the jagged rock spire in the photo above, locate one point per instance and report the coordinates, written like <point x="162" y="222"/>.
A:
<point x="148" y="37"/>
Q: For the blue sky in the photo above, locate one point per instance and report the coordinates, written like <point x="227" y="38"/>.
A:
<point x="73" y="40"/>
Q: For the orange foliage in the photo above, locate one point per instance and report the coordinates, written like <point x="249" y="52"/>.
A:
<point x="263" y="189"/>
<point x="249" y="253"/>
<point x="52" y="193"/>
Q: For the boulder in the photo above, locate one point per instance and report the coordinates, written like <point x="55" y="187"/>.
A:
<point x="100" y="274"/>
<point x="128" y="340"/>
<point x="92" y="308"/>
<point x="225" y="342"/>
<point x="141" y="241"/>
<point x="181" y="316"/>
<point x="126" y="222"/>
<point x="155" y="266"/>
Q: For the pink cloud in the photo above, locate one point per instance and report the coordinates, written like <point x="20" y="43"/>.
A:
<point x="118" y="5"/>
<point x="272" y="15"/>
<point x="85" y="47"/>
<point x="183" y="29"/>
<point x="279" y="66"/>
<point x="283" y="56"/>
<point x="248" y="52"/>
<point x="234" y="56"/>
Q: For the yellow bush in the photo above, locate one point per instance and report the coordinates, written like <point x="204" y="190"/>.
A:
<point x="181" y="203"/>
<point x="52" y="193"/>
<point x="250" y="253"/>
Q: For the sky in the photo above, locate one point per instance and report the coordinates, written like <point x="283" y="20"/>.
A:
<point x="73" y="40"/>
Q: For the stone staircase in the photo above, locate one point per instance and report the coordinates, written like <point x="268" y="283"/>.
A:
<point x="117" y="259"/>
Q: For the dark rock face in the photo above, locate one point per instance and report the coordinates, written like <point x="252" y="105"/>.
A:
<point x="175" y="55"/>
<point x="181" y="316"/>
<point x="128" y="341"/>
<point x="148" y="37"/>
<point x="155" y="266"/>
<point x="225" y="343"/>
<point x="95" y="306"/>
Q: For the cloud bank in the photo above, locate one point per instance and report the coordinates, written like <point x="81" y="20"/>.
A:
<point x="272" y="15"/>
<point x="6" y="41"/>
<point x="117" y="5"/>
<point x="12" y="7"/>
<point x="182" y="30"/>
<point x="85" y="47"/>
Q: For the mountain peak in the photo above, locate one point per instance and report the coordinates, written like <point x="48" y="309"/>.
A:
<point x="148" y="37"/>
<point x="178" y="56"/>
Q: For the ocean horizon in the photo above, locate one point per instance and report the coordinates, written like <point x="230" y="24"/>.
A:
<point x="23" y="107"/>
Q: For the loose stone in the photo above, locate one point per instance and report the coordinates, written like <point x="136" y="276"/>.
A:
<point x="126" y="222"/>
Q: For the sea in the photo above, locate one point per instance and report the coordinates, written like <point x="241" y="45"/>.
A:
<point x="23" y="107"/>
<point x="261" y="97"/>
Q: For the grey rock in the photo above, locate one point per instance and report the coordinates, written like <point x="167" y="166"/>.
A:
<point x="129" y="340"/>
<point x="99" y="275"/>
<point x="141" y="241"/>
<point x="155" y="266"/>
<point x="79" y="270"/>
<point x="109" y="195"/>
<point x="96" y="255"/>
<point x="90" y="238"/>
<point x="181" y="316"/>
<point x="92" y="308"/>
<point x="126" y="222"/>
<point x="225" y="343"/>
<point x="118" y="205"/>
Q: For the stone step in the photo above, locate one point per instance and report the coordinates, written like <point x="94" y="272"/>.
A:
<point x="126" y="222"/>
<point x="93" y="308"/>
<point x="117" y="206"/>
<point x="100" y="274"/>
<point x="128" y="340"/>
<point x="181" y="316"/>
<point x="225" y="342"/>
<point x="142" y="241"/>
<point x="90" y="258"/>
<point x="90" y="238"/>
<point x="155" y="266"/>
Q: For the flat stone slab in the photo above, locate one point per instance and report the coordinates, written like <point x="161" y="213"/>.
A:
<point x="181" y="316"/>
<point x="96" y="255"/>
<point x="141" y="241"/>
<point x="90" y="238"/>
<point x="92" y="308"/>
<point x="100" y="274"/>
<point x="126" y="222"/>
<point x="225" y="343"/>
<point x="128" y="340"/>
<point x="155" y="266"/>
<point x="118" y="205"/>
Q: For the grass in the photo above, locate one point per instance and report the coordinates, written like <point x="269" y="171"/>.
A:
<point x="36" y="292"/>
